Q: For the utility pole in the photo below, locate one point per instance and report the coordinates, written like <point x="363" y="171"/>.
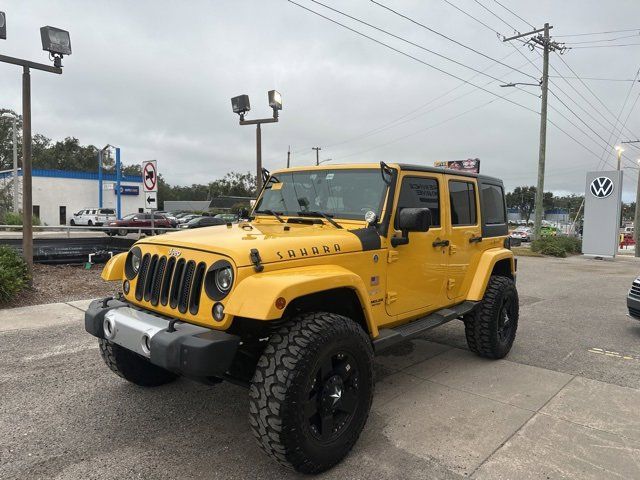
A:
<point x="543" y="40"/>
<point x="317" y="149"/>
<point x="289" y="156"/>
<point x="636" y="216"/>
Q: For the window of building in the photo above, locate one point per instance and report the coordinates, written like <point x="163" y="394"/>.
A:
<point x="419" y="192"/>
<point x="36" y="211"/>
<point x="462" y="196"/>
<point x="493" y="211"/>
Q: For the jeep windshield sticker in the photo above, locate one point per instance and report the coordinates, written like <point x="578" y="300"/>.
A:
<point x="329" y="176"/>
<point x="308" y="252"/>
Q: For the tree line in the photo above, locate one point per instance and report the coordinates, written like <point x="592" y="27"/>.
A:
<point x="70" y="154"/>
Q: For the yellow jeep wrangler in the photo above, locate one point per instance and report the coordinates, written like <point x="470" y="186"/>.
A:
<point x="335" y="263"/>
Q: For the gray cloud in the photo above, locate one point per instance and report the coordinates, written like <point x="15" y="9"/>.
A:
<point x="156" y="79"/>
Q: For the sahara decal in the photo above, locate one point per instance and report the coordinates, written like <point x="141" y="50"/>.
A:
<point x="308" y="252"/>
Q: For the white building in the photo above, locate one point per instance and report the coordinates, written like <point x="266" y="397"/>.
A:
<point x="58" y="194"/>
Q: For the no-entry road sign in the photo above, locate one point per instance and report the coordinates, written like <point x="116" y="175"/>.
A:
<point x="150" y="175"/>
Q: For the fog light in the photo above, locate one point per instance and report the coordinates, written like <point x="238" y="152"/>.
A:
<point x="126" y="287"/>
<point x="145" y="344"/>
<point x="218" y="311"/>
<point x="109" y="327"/>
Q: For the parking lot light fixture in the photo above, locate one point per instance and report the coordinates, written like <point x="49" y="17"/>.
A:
<point x="619" y="149"/>
<point x="57" y="42"/>
<point x="241" y="106"/>
<point x="275" y="100"/>
<point x="3" y="26"/>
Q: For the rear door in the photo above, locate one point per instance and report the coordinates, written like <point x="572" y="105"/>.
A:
<point x="465" y="237"/>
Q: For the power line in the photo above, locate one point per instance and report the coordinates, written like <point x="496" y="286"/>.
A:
<point x="594" y="78"/>
<point x="472" y="17"/>
<point x="445" y="36"/>
<point x="412" y="57"/>
<point x="416" y="44"/>
<point x="514" y="14"/>
<point x="591" y="91"/>
<point x="497" y="16"/>
<point x="599" y="33"/>
<point x="606" y="46"/>
<point x="604" y="40"/>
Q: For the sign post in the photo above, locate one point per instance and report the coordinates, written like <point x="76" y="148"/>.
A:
<point x="603" y="197"/>
<point x="150" y="187"/>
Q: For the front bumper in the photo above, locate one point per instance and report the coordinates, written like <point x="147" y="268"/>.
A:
<point x="633" y="305"/>
<point x="190" y="350"/>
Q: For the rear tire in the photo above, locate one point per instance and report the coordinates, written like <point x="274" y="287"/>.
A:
<point x="491" y="328"/>
<point x="311" y="391"/>
<point x="133" y="367"/>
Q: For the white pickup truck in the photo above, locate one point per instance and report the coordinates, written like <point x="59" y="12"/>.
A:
<point x="93" y="217"/>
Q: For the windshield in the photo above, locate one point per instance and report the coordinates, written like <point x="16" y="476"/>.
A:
<point x="129" y="217"/>
<point x="338" y="193"/>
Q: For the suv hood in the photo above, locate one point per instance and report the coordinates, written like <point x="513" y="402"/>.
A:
<point x="275" y="242"/>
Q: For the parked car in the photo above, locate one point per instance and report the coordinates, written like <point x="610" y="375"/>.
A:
<point x="633" y="299"/>
<point x="200" y="222"/>
<point x="93" y="217"/>
<point x="522" y="233"/>
<point x="168" y="215"/>
<point x="227" y="217"/>
<point x="138" y="220"/>
<point x="187" y="218"/>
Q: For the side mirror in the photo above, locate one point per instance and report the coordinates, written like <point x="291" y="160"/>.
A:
<point x="411" y="220"/>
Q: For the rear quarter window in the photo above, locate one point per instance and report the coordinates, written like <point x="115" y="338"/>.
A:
<point x="494" y="212"/>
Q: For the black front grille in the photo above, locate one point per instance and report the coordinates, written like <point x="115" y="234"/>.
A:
<point x="176" y="282"/>
<point x="635" y="290"/>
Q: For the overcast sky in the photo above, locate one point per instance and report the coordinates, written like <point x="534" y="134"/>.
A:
<point x="156" y="78"/>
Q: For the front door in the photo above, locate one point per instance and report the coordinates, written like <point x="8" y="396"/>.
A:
<point x="465" y="237"/>
<point x="417" y="272"/>
<point x="63" y="215"/>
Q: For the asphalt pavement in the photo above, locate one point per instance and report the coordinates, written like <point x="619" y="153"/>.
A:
<point x="564" y="404"/>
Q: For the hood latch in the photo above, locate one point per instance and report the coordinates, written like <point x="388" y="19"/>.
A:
<point x="256" y="260"/>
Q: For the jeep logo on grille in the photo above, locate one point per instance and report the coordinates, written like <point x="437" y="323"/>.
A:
<point x="174" y="253"/>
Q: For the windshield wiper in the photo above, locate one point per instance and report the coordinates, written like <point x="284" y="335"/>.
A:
<point x="307" y="213"/>
<point x="271" y="212"/>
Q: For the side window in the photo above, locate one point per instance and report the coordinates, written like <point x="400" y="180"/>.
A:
<point x="417" y="192"/>
<point x="493" y="205"/>
<point x="462" y="196"/>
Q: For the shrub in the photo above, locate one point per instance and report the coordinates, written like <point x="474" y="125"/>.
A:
<point x="557" y="246"/>
<point x="13" y="274"/>
<point x="11" y="218"/>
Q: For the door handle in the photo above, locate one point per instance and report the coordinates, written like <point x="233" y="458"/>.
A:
<point x="475" y="239"/>
<point x="441" y="243"/>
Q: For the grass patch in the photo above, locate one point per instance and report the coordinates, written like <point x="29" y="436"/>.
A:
<point x="525" y="252"/>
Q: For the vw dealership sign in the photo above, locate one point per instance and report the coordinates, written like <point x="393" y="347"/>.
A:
<point x="602" y="203"/>
<point x="601" y="187"/>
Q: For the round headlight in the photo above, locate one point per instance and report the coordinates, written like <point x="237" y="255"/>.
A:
<point x="132" y="265"/>
<point x="224" y="279"/>
<point x="218" y="280"/>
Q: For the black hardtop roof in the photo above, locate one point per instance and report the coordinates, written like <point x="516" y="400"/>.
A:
<point x="447" y="171"/>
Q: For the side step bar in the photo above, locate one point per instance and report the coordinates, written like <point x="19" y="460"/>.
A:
<point x="391" y="336"/>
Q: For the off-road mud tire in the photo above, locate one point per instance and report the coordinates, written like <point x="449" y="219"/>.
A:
<point x="482" y="326"/>
<point x="133" y="367"/>
<point x="279" y="384"/>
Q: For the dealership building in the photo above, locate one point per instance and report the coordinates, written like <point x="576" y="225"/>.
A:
<point x="58" y="194"/>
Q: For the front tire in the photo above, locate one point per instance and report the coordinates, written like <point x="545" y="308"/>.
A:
<point x="491" y="328"/>
<point x="311" y="392"/>
<point x="133" y="367"/>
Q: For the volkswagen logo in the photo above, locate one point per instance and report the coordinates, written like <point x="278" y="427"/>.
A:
<point x="601" y="187"/>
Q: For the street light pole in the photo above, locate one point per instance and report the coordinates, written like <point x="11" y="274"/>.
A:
<point x="27" y="204"/>
<point x="636" y="217"/>
<point x="317" y="149"/>
<point x="15" y="165"/>
<point x="619" y="149"/>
